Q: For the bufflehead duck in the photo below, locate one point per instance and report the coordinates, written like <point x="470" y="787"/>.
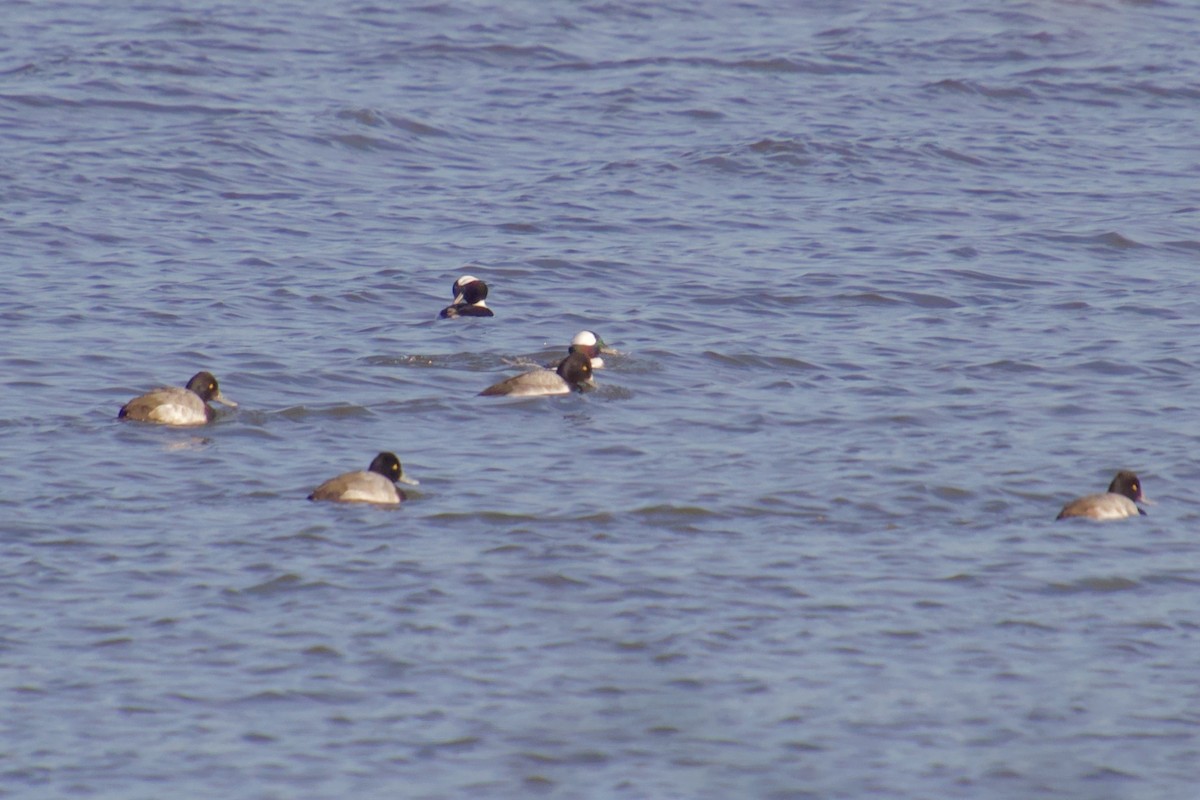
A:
<point x="591" y="345"/>
<point x="470" y="296"/>
<point x="173" y="405"/>
<point x="1120" y="501"/>
<point x="375" y="485"/>
<point x="574" y="372"/>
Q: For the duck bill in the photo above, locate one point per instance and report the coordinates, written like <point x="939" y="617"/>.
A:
<point x="223" y="400"/>
<point x="459" y="299"/>
<point x="1146" y="501"/>
<point x="408" y="480"/>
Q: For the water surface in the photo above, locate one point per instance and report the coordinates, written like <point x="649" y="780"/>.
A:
<point x="890" y="283"/>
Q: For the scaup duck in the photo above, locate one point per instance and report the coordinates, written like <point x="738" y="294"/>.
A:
<point x="1120" y="501"/>
<point x="173" y="405"/>
<point x="377" y="484"/>
<point x="573" y="372"/>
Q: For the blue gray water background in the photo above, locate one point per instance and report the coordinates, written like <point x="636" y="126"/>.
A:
<point x="890" y="283"/>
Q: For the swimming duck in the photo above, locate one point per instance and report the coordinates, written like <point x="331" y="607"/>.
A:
<point x="377" y="484"/>
<point x="470" y="295"/>
<point x="1120" y="501"/>
<point x="573" y="372"/>
<point x="173" y="405"/>
<point x="591" y="345"/>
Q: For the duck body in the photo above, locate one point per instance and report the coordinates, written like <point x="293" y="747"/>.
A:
<point x="1119" y="502"/>
<point x="174" y="405"/>
<point x="376" y="484"/>
<point x="470" y="299"/>
<point x="465" y="310"/>
<point x="362" y="486"/>
<point x="573" y="373"/>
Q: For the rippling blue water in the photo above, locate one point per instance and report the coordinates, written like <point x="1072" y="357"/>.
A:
<point x="890" y="282"/>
